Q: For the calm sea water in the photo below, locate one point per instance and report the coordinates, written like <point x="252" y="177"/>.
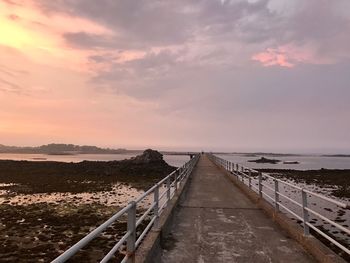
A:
<point x="306" y="162"/>
<point x="174" y="160"/>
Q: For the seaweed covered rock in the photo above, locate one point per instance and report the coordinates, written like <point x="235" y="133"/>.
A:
<point x="148" y="156"/>
<point x="265" y="160"/>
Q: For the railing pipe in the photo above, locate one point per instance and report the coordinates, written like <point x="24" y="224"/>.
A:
<point x="278" y="204"/>
<point x="84" y="241"/>
<point x="130" y="236"/>
<point x="327" y="199"/>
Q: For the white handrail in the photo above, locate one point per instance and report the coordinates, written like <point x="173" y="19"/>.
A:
<point x="228" y="165"/>
<point x="176" y="176"/>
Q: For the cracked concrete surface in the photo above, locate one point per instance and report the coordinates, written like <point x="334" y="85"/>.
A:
<point x="218" y="223"/>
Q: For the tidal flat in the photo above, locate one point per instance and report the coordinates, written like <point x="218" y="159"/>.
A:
<point x="337" y="180"/>
<point x="334" y="183"/>
<point x="49" y="206"/>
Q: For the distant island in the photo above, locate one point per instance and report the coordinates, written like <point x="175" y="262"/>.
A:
<point x="290" y="162"/>
<point x="63" y="149"/>
<point x="255" y="154"/>
<point x="336" y="155"/>
<point x="265" y="160"/>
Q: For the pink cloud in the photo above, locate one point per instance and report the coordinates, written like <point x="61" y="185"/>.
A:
<point x="272" y="57"/>
<point x="289" y="56"/>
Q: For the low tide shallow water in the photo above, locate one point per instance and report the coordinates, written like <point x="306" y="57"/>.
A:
<point x="174" y="160"/>
<point x="306" y="162"/>
<point x="120" y="195"/>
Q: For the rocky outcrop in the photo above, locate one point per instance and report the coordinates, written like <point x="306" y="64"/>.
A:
<point x="290" y="162"/>
<point x="265" y="160"/>
<point x="148" y="156"/>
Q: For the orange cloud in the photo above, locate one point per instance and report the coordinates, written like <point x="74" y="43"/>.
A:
<point x="39" y="36"/>
<point x="289" y="56"/>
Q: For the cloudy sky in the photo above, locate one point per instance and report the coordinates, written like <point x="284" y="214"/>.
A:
<point x="235" y="75"/>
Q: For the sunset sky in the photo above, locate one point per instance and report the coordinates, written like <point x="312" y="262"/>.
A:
<point x="239" y="75"/>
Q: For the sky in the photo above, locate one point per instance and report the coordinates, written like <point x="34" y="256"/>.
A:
<point x="228" y="75"/>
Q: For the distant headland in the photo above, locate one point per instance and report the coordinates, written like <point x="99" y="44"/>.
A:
<point x="63" y="149"/>
<point x="73" y="149"/>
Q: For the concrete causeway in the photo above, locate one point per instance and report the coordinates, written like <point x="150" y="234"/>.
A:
<point x="216" y="222"/>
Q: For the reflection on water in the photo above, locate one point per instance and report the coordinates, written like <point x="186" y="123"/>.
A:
<point x="306" y="162"/>
<point x="65" y="158"/>
<point x="120" y="195"/>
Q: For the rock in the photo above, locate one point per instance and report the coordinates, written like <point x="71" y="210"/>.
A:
<point x="265" y="160"/>
<point x="148" y="156"/>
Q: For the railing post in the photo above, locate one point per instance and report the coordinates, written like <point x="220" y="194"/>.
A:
<point x="276" y="195"/>
<point x="260" y="184"/>
<point x="175" y="180"/>
<point x="168" y="189"/>
<point x="237" y="167"/>
<point x="182" y="174"/>
<point x="250" y="179"/>
<point x="156" y="206"/>
<point x="131" y="225"/>
<point x="305" y="213"/>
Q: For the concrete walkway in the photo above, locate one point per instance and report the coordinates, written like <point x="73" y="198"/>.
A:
<point x="218" y="223"/>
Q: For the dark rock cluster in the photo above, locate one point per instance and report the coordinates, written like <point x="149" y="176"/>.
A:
<point x="148" y="156"/>
<point x="31" y="177"/>
<point x="265" y="160"/>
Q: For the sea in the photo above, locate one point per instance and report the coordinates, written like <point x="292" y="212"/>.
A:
<point x="174" y="160"/>
<point x="305" y="162"/>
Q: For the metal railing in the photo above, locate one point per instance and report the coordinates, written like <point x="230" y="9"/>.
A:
<point x="171" y="183"/>
<point x="245" y="174"/>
